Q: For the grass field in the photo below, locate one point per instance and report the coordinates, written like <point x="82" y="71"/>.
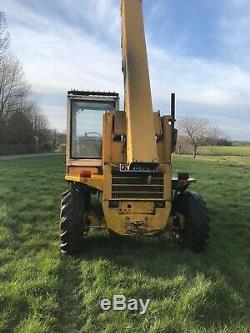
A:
<point x="41" y="291"/>
<point x="225" y="150"/>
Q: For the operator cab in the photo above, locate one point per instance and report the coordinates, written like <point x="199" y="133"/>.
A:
<point x="86" y="110"/>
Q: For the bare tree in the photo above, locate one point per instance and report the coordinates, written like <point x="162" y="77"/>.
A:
<point x="4" y="35"/>
<point x="20" y="118"/>
<point x="181" y="144"/>
<point x="13" y="87"/>
<point x="196" y="131"/>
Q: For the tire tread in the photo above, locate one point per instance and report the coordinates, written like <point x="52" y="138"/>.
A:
<point x="196" y="231"/>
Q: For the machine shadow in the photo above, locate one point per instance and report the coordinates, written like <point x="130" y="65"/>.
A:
<point x="142" y="254"/>
<point x="162" y="258"/>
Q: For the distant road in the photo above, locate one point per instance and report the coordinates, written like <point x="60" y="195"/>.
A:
<point x="14" y="157"/>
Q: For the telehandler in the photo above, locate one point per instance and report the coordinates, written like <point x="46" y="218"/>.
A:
<point x="118" y="163"/>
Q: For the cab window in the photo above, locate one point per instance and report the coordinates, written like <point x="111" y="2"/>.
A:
<point x="86" y="128"/>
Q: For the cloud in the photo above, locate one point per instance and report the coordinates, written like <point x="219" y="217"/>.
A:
<point x="79" y="48"/>
<point x="199" y="81"/>
<point x="103" y="16"/>
<point x="58" y="61"/>
<point x="234" y="33"/>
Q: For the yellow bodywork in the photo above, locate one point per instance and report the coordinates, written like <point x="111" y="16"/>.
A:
<point x="133" y="202"/>
<point x="138" y="101"/>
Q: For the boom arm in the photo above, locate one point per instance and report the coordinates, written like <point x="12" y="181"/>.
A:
<point x="141" y="145"/>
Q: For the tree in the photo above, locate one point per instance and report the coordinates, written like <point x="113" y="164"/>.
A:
<point x="13" y="87"/>
<point x="181" y="144"/>
<point x="19" y="129"/>
<point x="20" y="117"/>
<point x="197" y="130"/>
<point x="4" y="35"/>
<point x="224" y="142"/>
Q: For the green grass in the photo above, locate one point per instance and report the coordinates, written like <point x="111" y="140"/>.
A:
<point x="226" y="151"/>
<point x="41" y="291"/>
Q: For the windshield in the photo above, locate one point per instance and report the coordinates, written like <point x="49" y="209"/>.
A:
<point x="86" y="131"/>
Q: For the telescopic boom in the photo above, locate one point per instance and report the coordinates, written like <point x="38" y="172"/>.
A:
<point x="141" y="144"/>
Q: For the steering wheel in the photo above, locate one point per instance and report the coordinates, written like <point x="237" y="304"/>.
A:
<point x="92" y="133"/>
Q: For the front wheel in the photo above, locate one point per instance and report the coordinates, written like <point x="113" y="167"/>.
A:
<point x="73" y="224"/>
<point x="194" y="232"/>
<point x="116" y="237"/>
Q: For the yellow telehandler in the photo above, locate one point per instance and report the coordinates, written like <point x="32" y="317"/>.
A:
<point x="118" y="163"/>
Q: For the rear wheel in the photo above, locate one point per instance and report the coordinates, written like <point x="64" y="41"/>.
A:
<point x="73" y="221"/>
<point x="194" y="233"/>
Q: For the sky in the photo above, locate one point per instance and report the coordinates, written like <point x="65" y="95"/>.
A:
<point x="198" y="49"/>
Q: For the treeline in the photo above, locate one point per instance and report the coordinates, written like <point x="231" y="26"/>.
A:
<point x="217" y="141"/>
<point x="23" y="129"/>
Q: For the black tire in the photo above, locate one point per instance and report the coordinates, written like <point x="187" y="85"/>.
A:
<point x="116" y="237"/>
<point x="195" y="233"/>
<point x="73" y="224"/>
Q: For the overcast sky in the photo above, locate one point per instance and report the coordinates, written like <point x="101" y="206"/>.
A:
<point x="197" y="48"/>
